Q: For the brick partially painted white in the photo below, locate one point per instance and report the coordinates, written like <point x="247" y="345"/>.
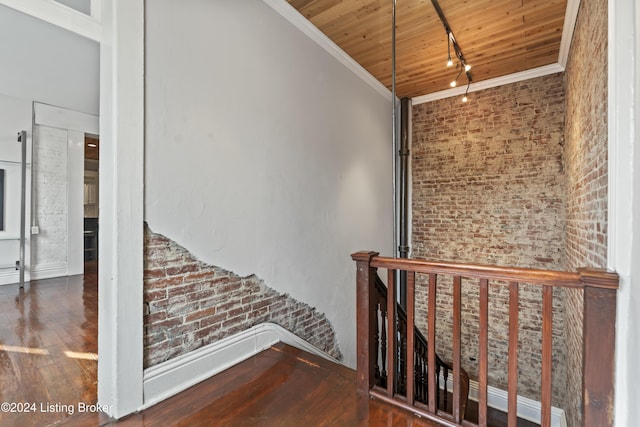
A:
<point x="50" y="193"/>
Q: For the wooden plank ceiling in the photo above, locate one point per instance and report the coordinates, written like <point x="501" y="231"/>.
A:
<point x="497" y="37"/>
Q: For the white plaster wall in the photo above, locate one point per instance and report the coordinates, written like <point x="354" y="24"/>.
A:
<point x="42" y="62"/>
<point x="45" y="63"/>
<point x="263" y="153"/>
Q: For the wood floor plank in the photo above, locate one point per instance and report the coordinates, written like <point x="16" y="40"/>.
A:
<point x="282" y="386"/>
<point x="39" y="325"/>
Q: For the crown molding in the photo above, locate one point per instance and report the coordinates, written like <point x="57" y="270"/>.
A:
<point x="62" y="16"/>
<point x="570" y="18"/>
<point x="487" y="84"/>
<point x="63" y="118"/>
<point x="303" y="24"/>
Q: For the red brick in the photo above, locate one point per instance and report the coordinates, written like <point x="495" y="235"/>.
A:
<point x="205" y="303"/>
<point x="200" y="314"/>
<point x="488" y="188"/>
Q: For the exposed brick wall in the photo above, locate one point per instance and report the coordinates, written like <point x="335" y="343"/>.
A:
<point x="586" y="170"/>
<point x="192" y="304"/>
<point x="488" y="187"/>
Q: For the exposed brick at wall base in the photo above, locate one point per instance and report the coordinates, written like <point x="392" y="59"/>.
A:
<point x="586" y="170"/>
<point x="489" y="188"/>
<point x="191" y="304"/>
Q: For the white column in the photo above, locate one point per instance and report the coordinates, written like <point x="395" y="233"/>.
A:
<point x="624" y="200"/>
<point x="121" y="207"/>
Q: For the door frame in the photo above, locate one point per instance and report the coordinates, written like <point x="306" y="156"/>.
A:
<point x="76" y="124"/>
<point x="118" y="25"/>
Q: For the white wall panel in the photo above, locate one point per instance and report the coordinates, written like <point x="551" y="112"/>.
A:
<point x="45" y="63"/>
<point x="264" y="154"/>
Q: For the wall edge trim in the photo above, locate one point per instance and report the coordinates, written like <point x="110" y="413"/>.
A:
<point x="301" y="23"/>
<point x="60" y="15"/>
<point x="173" y="376"/>
<point x="12" y="277"/>
<point x="528" y="409"/>
<point x="48" y="271"/>
<point x="568" y="28"/>
<point x="178" y="374"/>
<point x="488" y="84"/>
<point x="65" y="118"/>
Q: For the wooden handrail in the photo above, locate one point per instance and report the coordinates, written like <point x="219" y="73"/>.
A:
<point x="599" y="305"/>
<point x="596" y="278"/>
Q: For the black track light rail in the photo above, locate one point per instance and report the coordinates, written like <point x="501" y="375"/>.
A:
<point x="452" y="39"/>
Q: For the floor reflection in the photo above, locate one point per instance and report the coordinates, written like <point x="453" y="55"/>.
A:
<point x="375" y="413"/>
<point x="41" y="325"/>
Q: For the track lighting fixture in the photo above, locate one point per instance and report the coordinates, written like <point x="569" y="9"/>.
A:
<point x="466" y="92"/>
<point x="451" y="40"/>
<point x="454" y="83"/>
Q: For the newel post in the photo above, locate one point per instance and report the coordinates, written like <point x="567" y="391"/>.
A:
<point x="599" y="336"/>
<point x="366" y="320"/>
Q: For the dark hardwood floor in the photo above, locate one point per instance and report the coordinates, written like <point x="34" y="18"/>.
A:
<point x="48" y="349"/>
<point x="279" y="387"/>
<point x="48" y="360"/>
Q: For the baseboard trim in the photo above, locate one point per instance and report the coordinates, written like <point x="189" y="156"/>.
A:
<point x="173" y="376"/>
<point x="49" y="271"/>
<point x="38" y="272"/>
<point x="528" y="409"/>
<point x="12" y="277"/>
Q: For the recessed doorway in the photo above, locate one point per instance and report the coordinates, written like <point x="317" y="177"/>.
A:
<point x="91" y="202"/>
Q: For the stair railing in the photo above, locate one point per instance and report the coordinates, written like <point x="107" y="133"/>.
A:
<point x="420" y="356"/>
<point x="378" y="375"/>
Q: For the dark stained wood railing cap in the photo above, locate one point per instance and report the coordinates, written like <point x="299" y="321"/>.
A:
<point x="364" y="256"/>
<point x="585" y="277"/>
<point x="599" y="278"/>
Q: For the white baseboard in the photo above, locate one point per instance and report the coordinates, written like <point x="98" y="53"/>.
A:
<point x="49" y="271"/>
<point x="12" y="277"/>
<point x="37" y="272"/>
<point x="173" y="376"/>
<point x="528" y="409"/>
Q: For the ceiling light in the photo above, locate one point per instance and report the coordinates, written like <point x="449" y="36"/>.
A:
<point x="455" y="82"/>
<point x="451" y="40"/>
<point x="466" y="92"/>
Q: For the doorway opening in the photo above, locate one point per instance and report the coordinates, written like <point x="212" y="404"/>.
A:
<point x="91" y="202"/>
